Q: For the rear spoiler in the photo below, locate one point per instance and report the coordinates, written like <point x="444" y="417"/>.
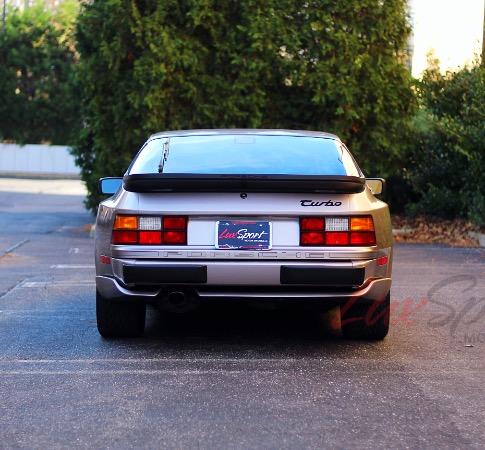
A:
<point x="185" y="182"/>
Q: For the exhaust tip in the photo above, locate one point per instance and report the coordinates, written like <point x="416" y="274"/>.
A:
<point x="181" y="301"/>
<point x="176" y="297"/>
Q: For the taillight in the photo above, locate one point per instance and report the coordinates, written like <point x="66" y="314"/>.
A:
<point x="337" y="231"/>
<point x="175" y="237"/>
<point x="362" y="238"/>
<point x="312" y="238"/>
<point x="150" y="237"/>
<point x="362" y="231"/>
<point x="312" y="223"/>
<point x="337" y="238"/>
<point x="174" y="223"/>
<point x="125" y="223"/>
<point x="125" y="237"/>
<point x="150" y="230"/>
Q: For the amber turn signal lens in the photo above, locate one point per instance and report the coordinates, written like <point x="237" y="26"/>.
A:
<point x="364" y="223"/>
<point x="125" y="223"/>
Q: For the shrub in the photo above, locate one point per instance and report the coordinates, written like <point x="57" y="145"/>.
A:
<point x="39" y="103"/>
<point x="447" y="164"/>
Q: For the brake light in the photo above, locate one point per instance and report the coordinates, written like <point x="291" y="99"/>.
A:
<point x="312" y="223"/>
<point x="150" y="237"/>
<point x="124" y="237"/>
<point x="175" y="237"/>
<point x="312" y="238"/>
<point x="174" y="223"/>
<point x="362" y="238"/>
<point x="149" y="230"/>
<point x="337" y="238"/>
<point x="337" y="231"/>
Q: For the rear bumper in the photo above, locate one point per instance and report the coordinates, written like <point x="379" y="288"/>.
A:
<point x="373" y="290"/>
<point x="346" y="273"/>
<point x="323" y="280"/>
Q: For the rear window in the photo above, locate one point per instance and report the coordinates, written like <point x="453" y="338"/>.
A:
<point x="245" y="154"/>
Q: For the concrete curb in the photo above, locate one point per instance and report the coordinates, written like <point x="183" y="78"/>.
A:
<point x="39" y="175"/>
<point x="480" y="237"/>
<point x="399" y="231"/>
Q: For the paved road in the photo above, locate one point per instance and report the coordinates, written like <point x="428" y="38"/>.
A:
<point x="240" y="377"/>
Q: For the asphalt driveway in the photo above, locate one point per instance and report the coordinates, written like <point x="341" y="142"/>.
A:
<point x="237" y="376"/>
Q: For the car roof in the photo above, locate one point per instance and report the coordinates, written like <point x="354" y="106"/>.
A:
<point x="253" y="131"/>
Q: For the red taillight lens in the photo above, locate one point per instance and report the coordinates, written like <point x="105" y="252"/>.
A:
<point x="337" y="230"/>
<point x="124" y="237"/>
<point x="150" y="230"/>
<point x="362" y="238"/>
<point x="337" y="238"/>
<point x="312" y="223"/>
<point x="382" y="260"/>
<point x="103" y="259"/>
<point x="174" y="223"/>
<point x="150" y="237"/>
<point x="175" y="230"/>
<point x="174" y="237"/>
<point x="312" y="238"/>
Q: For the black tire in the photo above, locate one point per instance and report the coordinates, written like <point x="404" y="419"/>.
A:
<point x="118" y="318"/>
<point x="368" y="321"/>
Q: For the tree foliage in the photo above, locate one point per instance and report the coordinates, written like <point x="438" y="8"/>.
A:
<point x="149" y="65"/>
<point x="448" y="163"/>
<point x="37" y="97"/>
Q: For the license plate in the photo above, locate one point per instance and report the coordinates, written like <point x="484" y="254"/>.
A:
<point x="243" y="235"/>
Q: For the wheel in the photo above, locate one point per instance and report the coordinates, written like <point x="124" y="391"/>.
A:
<point x="366" y="322"/>
<point x="119" y="318"/>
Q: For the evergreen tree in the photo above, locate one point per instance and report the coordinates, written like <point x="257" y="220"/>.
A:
<point x="149" y="65"/>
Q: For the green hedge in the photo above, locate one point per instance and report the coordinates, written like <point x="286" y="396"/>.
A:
<point x="39" y="102"/>
<point x="154" y="65"/>
<point x="447" y="165"/>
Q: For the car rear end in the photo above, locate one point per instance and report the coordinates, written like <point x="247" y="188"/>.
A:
<point x="244" y="236"/>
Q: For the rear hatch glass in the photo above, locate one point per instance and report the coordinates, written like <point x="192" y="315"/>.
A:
<point x="244" y="154"/>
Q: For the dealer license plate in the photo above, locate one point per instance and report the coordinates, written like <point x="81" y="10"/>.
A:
<point x="243" y="235"/>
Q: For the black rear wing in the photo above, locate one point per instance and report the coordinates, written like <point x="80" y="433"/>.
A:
<point x="187" y="182"/>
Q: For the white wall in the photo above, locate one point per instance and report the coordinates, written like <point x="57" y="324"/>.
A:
<point x="37" y="160"/>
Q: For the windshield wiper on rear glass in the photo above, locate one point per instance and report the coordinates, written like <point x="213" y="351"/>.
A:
<point x="166" y="149"/>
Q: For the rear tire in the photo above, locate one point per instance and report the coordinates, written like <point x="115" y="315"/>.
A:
<point x="118" y="318"/>
<point x="366" y="322"/>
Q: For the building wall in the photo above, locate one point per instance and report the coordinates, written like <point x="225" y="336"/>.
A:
<point x="37" y="160"/>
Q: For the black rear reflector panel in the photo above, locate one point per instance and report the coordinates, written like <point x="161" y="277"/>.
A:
<point x="164" y="275"/>
<point x="321" y="276"/>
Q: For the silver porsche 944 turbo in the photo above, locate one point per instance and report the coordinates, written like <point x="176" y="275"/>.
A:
<point x="265" y="215"/>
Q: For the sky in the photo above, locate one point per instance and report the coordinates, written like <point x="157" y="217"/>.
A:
<point x="453" y="29"/>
